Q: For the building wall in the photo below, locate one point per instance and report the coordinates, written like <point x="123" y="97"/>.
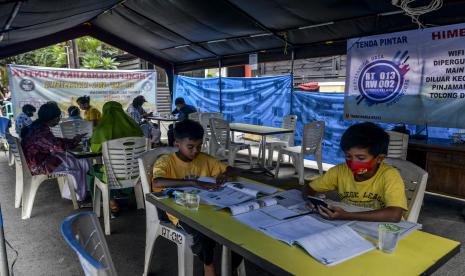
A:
<point x="325" y="69"/>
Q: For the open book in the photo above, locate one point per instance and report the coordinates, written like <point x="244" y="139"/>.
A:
<point x="280" y="206"/>
<point x="251" y="205"/>
<point x="325" y="242"/>
<point x="335" y="245"/>
<point x="244" y="186"/>
<point x="231" y="193"/>
<point x="370" y="229"/>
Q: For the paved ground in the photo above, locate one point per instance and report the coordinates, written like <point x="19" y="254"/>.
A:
<point x="42" y="251"/>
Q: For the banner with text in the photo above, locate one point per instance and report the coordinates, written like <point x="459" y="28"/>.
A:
<point x="414" y="77"/>
<point x="37" y="85"/>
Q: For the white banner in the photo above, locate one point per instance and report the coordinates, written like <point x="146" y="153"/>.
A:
<point x="37" y="85"/>
<point x="415" y="77"/>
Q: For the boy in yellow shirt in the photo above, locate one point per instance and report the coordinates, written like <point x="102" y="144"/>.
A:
<point x="90" y="113"/>
<point x="182" y="168"/>
<point x="364" y="180"/>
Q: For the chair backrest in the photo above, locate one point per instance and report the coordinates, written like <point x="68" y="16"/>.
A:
<point x="69" y="129"/>
<point x="13" y="147"/>
<point x="220" y="132"/>
<point x="56" y="130"/>
<point x="289" y="122"/>
<point x="206" y="116"/>
<point x="120" y="160"/>
<point x="195" y="116"/>
<point x="398" y="144"/>
<point x="146" y="161"/>
<point x="22" y="160"/>
<point x="415" y="179"/>
<point x="313" y="137"/>
<point x="84" y="235"/>
<point x="8" y="109"/>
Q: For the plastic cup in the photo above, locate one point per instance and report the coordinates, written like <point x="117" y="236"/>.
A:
<point x="192" y="200"/>
<point x="179" y="198"/>
<point x="388" y="237"/>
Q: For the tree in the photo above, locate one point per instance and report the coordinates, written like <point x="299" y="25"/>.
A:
<point x="93" y="54"/>
<point x="97" y="55"/>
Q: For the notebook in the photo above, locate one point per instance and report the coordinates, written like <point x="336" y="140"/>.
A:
<point x="328" y="244"/>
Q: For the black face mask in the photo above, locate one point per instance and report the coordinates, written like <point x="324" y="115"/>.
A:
<point x="30" y="114"/>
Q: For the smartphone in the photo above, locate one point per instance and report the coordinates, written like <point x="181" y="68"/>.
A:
<point x="317" y="202"/>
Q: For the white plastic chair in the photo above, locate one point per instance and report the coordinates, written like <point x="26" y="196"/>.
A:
<point x="84" y="235"/>
<point x="398" y="145"/>
<point x="156" y="228"/>
<point x="205" y="122"/>
<point x="13" y="154"/>
<point x="29" y="185"/>
<point x="415" y="179"/>
<point x="122" y="171"/>
<point x="56" y="131"/>
<point x="284" y="140"/>
<point x="311" y="144"/>
<point x="221" y="139"/>
<point x="195" y="116"/>
<point x="16" y="160"/>
<point x="69" y="129"/>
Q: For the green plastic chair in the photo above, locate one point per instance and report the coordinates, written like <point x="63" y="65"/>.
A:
<point x="8" y="107"/>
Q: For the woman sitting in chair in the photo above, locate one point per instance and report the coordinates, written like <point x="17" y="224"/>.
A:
<point x="114" y="124"/>
<point x="46" y="154"/>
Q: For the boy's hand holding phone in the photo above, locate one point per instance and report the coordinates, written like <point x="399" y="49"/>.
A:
<point x="314" y="202"/>
<point x="207" y="185"/>
<point x="327" y="211"/>
<point x="331" y="212"/>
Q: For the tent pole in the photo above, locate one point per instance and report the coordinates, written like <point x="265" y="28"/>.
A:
<point x="10" y="20"/>
<point x="170" y="78"/>
<point x="219" y="86"/>
<point x="292" y="81"/>
<point x="3" y="255"/>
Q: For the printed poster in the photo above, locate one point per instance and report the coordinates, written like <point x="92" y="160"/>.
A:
<point x="37" y="85"/>
<point x="412" y="77"/>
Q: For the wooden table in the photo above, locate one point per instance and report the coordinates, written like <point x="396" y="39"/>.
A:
<point x="418" y="253"/>
<point x="263" y="131"/>
<point x="444" y="162"/>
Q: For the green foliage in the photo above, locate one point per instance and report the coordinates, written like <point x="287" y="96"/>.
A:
<point x="93" y="54"/>
<point x="108" y="63"/>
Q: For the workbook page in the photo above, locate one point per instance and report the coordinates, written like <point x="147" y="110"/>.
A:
<point x="335" y="245"/>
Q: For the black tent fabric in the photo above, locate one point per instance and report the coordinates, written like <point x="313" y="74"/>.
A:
<point x="185" y="35"/>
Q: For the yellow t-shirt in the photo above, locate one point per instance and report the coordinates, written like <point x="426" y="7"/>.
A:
<point x="384" y="189"/>
<point x="92" y="114"/>
<point x="170" y="166"/>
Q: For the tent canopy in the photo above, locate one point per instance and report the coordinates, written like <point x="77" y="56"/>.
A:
<point x="186" y="35"/>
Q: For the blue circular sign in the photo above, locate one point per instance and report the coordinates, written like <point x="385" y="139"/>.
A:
<point x="26" y="85"/>
<point x="380" y="81"/>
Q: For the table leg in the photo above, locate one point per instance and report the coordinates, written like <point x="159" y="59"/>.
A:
<point x="263" y="147"/>
<point x="226" y="267"/>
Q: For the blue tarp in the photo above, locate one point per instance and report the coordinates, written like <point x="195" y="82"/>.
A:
<point x="327" y="107"/>
<point x="201" y="93"/>
<point x="259" y="101"/>
<point x="264" y="101"/>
